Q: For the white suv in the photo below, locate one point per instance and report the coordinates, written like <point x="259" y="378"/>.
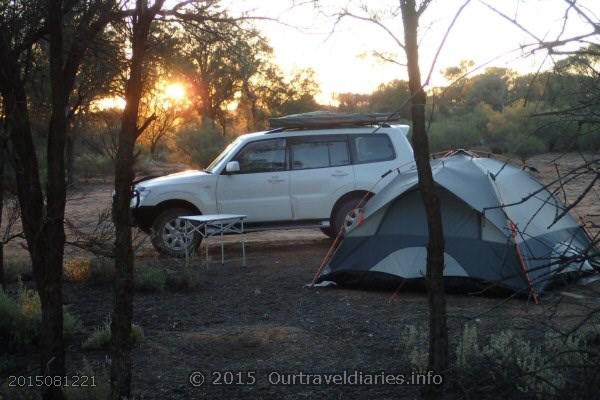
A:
<point x="278" y="178"/>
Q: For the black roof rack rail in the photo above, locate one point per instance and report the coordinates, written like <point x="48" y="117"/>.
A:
<point x="275" y="130"/>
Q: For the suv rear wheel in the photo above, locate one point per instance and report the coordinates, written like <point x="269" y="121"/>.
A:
<point x="171" y="236"/>
<point x="344" y="215"/>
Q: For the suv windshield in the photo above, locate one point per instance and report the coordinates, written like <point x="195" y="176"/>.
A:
<point x="220" y="157"/>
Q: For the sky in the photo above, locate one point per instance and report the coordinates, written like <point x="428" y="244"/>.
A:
<point x="342" y="57"/>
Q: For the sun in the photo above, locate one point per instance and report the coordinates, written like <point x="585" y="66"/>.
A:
<point x="175" y="91"/>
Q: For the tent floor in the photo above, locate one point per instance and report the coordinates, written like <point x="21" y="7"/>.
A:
<point x="373" y="280"/>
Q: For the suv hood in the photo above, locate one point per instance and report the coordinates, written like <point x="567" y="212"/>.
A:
<point x="191" y="176"/>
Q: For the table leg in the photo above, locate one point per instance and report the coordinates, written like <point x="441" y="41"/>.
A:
<point x="185" y="243"/>
<point x="222" y="246"/>
<point x="206" y="246"/>
<point x="243" y="245"/>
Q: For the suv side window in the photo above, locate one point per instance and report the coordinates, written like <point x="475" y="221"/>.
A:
<point x="262" y="156"/>
<point x="318" y="152"/>
<point x="372" y="148"/>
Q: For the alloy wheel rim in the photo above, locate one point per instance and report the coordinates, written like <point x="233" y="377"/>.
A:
<point x="177" y="233"/>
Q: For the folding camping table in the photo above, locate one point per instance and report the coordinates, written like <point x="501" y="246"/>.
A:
<point x="214" y="225"/>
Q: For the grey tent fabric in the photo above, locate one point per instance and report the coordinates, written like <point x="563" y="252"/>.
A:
<point x="325" y="119"/>
<point x="498" y="227"/>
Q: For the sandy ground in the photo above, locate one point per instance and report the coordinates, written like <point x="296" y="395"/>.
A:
<point x="261" y="318"/>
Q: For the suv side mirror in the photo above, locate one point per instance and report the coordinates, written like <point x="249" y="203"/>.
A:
<point x="232" y="166"/>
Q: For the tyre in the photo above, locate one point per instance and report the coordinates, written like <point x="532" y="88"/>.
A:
<point x="344" y="214"/>
<point x="171" y="236"/>
<point x="329" y="232"/>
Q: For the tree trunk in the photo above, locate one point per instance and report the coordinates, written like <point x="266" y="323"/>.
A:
<point x="438" y="333"/>
<point x="43" y="221"/>
<point x="29" y="193"/>
<point x="124" y="258"/>
<point x="53" y="227"/>
<point x="70" y="155"/>
<point x="2" y="158"/>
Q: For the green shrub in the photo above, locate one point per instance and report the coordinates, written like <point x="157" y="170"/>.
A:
<point x="589" y="140"/>
<point x="524" y="145"/>
<point x="29" y="316"/>
<point x="468" y="346"/>
<point x="200" y="144"/>
<point x="458" y="131"/>
<point x="102" y="270"/>
<point x="183" y="279"/>
<point x="551" y="366"/>
<point x="100" y="390"/>
<point x="413" y="339"/>
<point x="6" y="365"/>
<point x="71" y="323"/>
<point x="17" y="268"/>
<point x="90" y="165"/>
<point x="8" y="314"/>
<point x="150" y="279"/>
<point x="100" y="338"/>
<point x="21" y="318"/>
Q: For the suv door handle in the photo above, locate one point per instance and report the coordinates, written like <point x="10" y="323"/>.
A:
<point x="339" y="173"/>
<point x="275" y="179"/>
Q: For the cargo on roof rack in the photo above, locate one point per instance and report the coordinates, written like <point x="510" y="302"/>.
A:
<point x="328" y="119"/>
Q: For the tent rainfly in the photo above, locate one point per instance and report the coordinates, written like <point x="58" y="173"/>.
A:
<point x="499" y="228"/>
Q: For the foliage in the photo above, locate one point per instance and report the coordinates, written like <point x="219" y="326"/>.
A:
<point x="100" y="338"/>
<point x="200" y="144"/>
<point x="102" y="270"/>
<point x="93" y="165"/>
<point x="413" y="339"/>
<point x="17" y="268"/>
<point x="21" y="316"/>
<point x="101" y="389"/>
<point x="150" y="279"/>
<point x="549" y="365"/>
<point x="77" y="270"/>
<point x="98" y="270"/>
<point x="502" y="111"/>
<point x="183" y="279"/>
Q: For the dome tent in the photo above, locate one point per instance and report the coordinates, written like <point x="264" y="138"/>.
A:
<point x="498" y="228"/>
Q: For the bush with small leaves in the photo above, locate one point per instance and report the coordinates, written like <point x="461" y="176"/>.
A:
<point x="102" y="270"/>
<point x="100" y="390"/>
<point x="77" y="270"/>
<point x="6" y="365"/>
<point x="413" y="344"/>
<point x="100" y="338"/>
<point x="21" y="317"/>
<point x="183" y="280"/>
<point x="17" y="268"/>
<point x="150" y="279"/>
<point x="467" y="348"/>
<point x="8" y="314"/>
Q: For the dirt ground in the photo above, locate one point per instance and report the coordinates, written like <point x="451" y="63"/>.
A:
<point x="261" y="319"/>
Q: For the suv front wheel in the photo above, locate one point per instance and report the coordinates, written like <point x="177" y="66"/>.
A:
<point x="172" y="236"/>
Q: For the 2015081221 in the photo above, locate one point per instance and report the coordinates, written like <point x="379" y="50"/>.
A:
<point x="47" y="381"/>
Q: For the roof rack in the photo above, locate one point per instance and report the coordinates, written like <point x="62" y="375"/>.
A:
<point x="329" y="119"/>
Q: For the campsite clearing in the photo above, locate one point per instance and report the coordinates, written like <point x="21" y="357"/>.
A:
<point x="261" y="318"/>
